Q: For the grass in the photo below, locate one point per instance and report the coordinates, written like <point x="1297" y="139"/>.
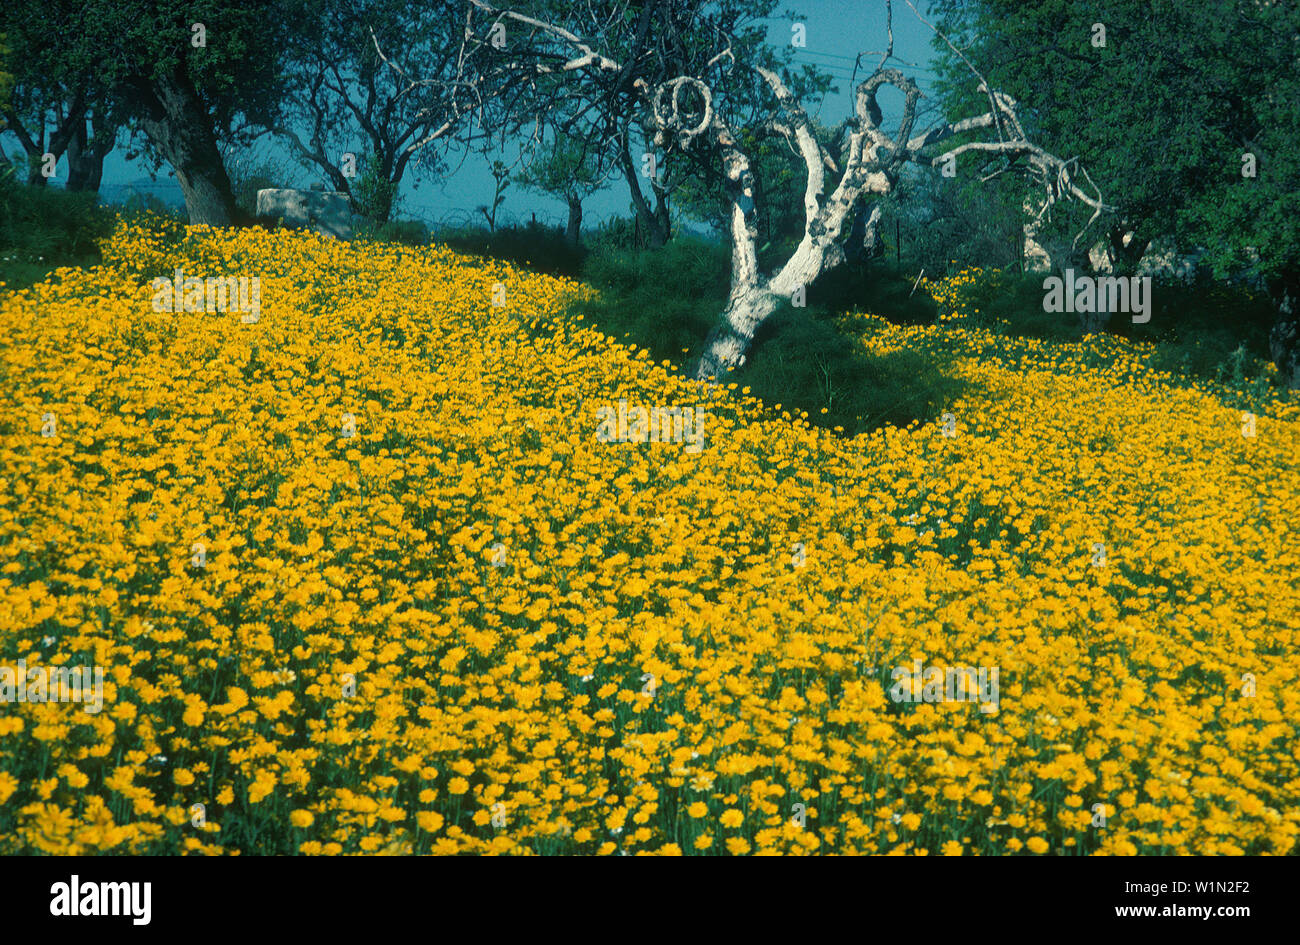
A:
<point x="1202" y="331"/>
<point x="809" y="359"/>
<point x="44" y="228"/>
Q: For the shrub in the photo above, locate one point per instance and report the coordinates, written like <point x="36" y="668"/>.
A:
<point x="373" y="194"/>
<point x="808" y="360"/>
<point x="407" y="232"/>
<point x="42" y="228"/>
<point x="618" y="233"/>
<point x="250" y="172"/>
<point x="878" y="287"/>
<point x="533" y="245"/>
<point x="664" y="300"/>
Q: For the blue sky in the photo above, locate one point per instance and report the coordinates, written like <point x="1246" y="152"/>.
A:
<point x="837" y="30"/>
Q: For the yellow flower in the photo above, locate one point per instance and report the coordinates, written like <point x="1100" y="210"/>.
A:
<point x="75" y="777"/>
<point x="387" y="520"/>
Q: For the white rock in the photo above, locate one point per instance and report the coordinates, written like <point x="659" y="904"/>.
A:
<point x="325" y="212"/>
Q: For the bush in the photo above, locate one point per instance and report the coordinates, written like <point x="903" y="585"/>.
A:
<point x="407" y="232"/>
<point x="373" y="194"/>
<point x="808" y="360"/>
<point x="878" y="287"/>
<point x="249" y="173"/>
<point x="1201" y="330"/>
<point x="42" y="228"/>
<point x="664" y="300"/>
<point x="1008" y="303"/>
<point x="618" y="233"/>
<point x="534" y="246"/>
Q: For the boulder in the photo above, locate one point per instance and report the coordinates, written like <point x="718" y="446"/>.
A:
<point x="326" y="212"/>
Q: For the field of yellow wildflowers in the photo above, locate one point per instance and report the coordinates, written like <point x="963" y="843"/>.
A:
<point x="361" y="578"/>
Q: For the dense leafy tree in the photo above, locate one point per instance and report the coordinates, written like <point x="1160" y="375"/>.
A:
<point x="6" y="79"/>
<point x="1186" y="113"/>
<point x="57" y="90"/>
<point x="182" y="76"/>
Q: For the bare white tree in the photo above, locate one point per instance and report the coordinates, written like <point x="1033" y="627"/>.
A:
<point x="684" y="110"/>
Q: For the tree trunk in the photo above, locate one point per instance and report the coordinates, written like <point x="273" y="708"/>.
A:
<point x="80" y="168"/>
<point x="179" y="126"/>
<point x="728" y="343"/>
<point x="34" y="176"/>
<point x="66" y="124"/>
<point x="86" y="158"/>
<point x="661" y="231"/>
<point x="573" y="231"/>
<point x="1126" y="256"/>
<point x="753" y="299"/>
<point x="656" y="220"/>
<point x="1065" y="256"/>
<point x="34" y="149"/>
<point x="864" y="237"/>
<point x="1284" y="339"/>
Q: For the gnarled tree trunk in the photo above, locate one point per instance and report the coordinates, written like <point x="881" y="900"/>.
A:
<point x="176" y="121"/>
<point x="86" y="154"/>
<point x="871" y="169"/>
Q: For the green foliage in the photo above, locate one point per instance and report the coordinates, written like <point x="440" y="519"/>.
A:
<point x="126" y="44"/>
<point x="373" y="194"/>
<point x="1161" y="115"/>
<point x="942" y="220"/>
<point x="1201" y="331"/>
<point x="6" y="79"/>
<point x="533" y="245"/>
<point x="634" y="306"/>
<point x="878" y="287"/>
<point x="1006" y="303"/>
<point x="619" y="233"/>
<point x="618" y="241"/>
<point x="806" y="359"/>
<point x="1253" y="222"/>
<point x="407" y="232"/>
<point x="42" y="228"/>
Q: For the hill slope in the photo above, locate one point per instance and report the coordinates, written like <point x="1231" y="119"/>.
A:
<point x="456" y="620"/>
